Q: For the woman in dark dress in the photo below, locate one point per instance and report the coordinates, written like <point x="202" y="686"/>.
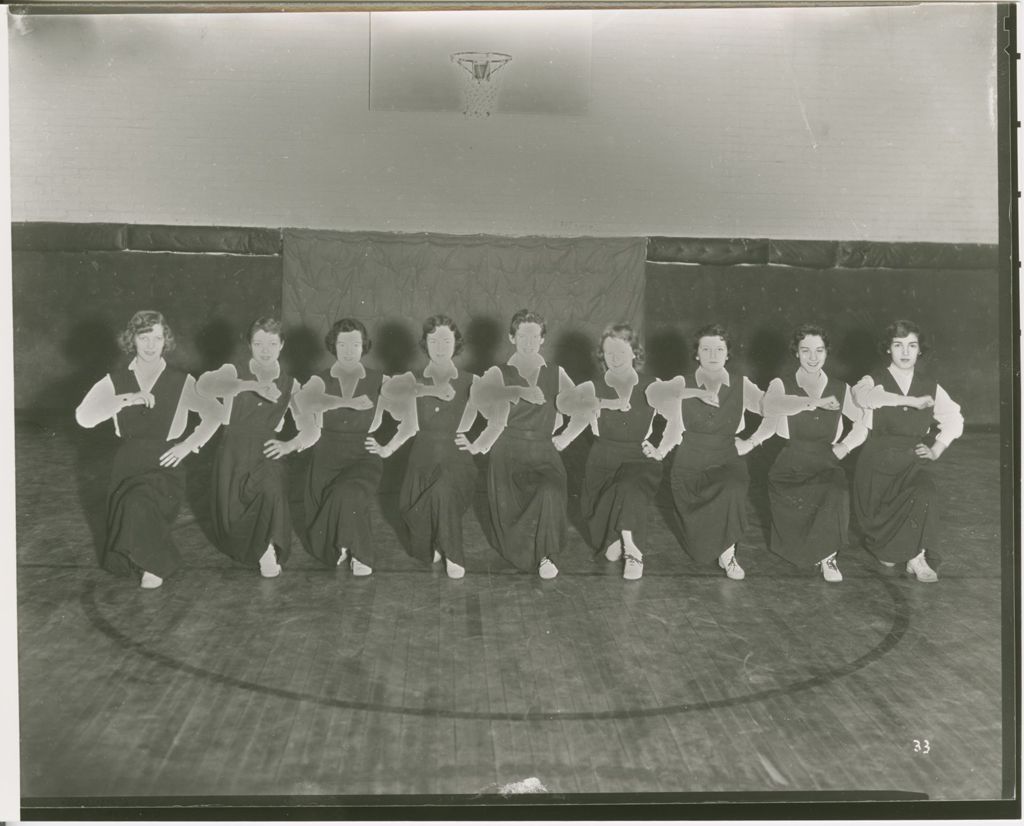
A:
<point x="526" y="482"/>
<point x="440" y="479"/>
<point x="251" y="517"/>
<point x="709" y="477"/>
<point x="894" y="495"/>
<point x="619" y="481"/>
<point x="810" y="500"/>
<point x="149" y="402"/>
<point x="346" y="404"/>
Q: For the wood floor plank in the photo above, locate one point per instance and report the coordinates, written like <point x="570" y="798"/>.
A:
<point x="407" y="682"/>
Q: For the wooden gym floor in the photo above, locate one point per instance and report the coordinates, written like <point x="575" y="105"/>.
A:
<point x="222" y="683"/>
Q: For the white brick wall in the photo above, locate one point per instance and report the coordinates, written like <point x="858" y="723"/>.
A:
<point x="855" y="123"/>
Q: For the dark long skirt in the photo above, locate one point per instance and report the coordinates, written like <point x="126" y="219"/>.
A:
<point x="895" y="499"/>
<point x="437" y="491"/>
<point x="709" y="492"/>
<point x="143" y="503"/>
<point x="341" y="489"/>
<point x="250" y="499"/>
<point x="810" y="503"/>
<point x="619" y="483"/>
<point x="526" y="488"/>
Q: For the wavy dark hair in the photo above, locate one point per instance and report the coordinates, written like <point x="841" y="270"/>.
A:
<point x="623" y="332"/>
<point x="527" y="317"/>
<point x="346" y="325"/>
<point x="267" y="324"/>
<point x="707" y="331"/>
<point x="143" y="322"/>
<point x="901" y="328"/>
<point x="441" y="320"/>
<point x="804" y="330"/>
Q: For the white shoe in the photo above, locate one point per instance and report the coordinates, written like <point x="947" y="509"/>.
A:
<point x="830" y="570"/>
<point x="268" y="564"/>
<point x="921" y="569"/>
<point x="437" y="556"/>
<point x="634" y="567"/>
<point x="727" y="562"/>
<point x="613" y="553"/>
<point x="342" y="555"/>
<point x="454" y="570"/>
<point x="547" y="569"/>
<point x="150" y="581"/>
<point x="359" y="569"/>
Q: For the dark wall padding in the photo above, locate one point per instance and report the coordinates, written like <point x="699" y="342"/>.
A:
<point x="761" y="305"/>
<point x="68" y="237"/>
<point x="70" y="306"/>
<point x="205" y="239"/>
<point x="823" y="254"/>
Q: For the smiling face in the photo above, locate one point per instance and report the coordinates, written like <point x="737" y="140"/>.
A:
<point x="265" y="347"/>
<point x="348" y="348"/>
<point x="904" y="351"/>
<point x="149" y="344"/>
<point x="528" y="338"/>
<point x="812" y="353"/>
<point x="618" y="353"/>
<point x="712" y="353"/>
<point x="441" y="344"/>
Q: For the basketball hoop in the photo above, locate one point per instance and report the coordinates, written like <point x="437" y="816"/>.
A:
<point x="479" y="89"/>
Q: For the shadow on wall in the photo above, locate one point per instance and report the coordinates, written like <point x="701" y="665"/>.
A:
<point x="575" y="352"/>
<point x="395" y="347"/>
<point x="218" y="342"/>
<point x="763" y="354"/>
<point x="484" y="341"/>
<point x="91" y="350"/>
<point x="304" y="352"/>
<point x="668" y="352"/>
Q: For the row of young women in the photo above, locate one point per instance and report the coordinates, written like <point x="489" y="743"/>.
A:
<point x="524" y="402"/>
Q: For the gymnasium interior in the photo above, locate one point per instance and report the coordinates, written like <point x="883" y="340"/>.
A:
<point x="666" y="167"/>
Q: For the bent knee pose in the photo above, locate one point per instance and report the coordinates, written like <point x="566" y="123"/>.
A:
<point x="526" y="483"/>
<point x="149" y="402"/>
<point x="810" y="501"/>
<point x="251" y="517"/>
<point x="894" y="495"/>
<point x="619" y="480"/>
<point x="709" y="478"/>
<point x="346" y="404"/>
<point x="440" y="479"/>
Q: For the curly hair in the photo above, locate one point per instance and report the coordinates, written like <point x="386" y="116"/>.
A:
<point x="143" y="322"/>
<point x="527" y="317"/>
<point x="709" y="331"/>
<point x="623" y="332"/>
<point x="346" y="325"/>
<point x="441" y="320"/>
<point x="802" y="332"/>
<point x="901" y="328"/>
<point x="266" y="324"/>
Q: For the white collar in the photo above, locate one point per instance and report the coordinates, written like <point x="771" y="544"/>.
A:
<point x="253" y="364"/>
<point x="134" y="363"/>
<point x="809" y="382"/>
<point x="632" y="378"/>
<point x="520" y="362"/>
<point x="359" y="373"/>
<point x="441" y="374"/>
<point x="903" y="378"/>
<point x="700" y="375"/>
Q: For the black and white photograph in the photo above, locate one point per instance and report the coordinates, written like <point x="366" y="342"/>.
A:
<point x="513" y="406"/>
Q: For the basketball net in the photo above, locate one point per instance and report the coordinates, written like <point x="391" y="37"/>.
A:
<point x="479" y="88"/>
